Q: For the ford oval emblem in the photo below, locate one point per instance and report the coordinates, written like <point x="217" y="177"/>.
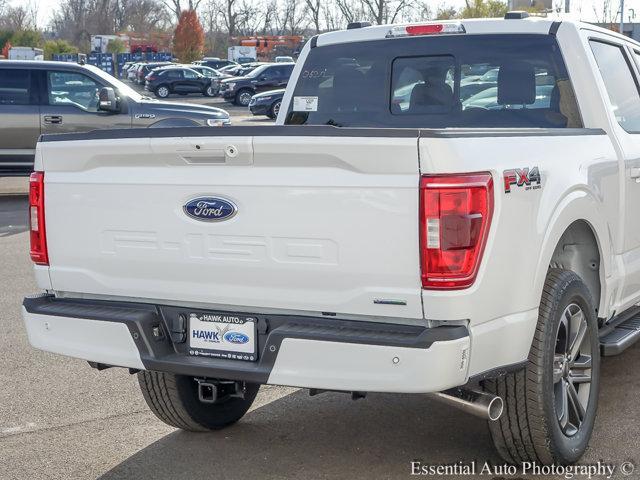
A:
<point x="210" y="209"/>
<point x="236" y="337"/>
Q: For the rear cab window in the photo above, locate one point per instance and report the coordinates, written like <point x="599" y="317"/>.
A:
<point x="15" y="87"/>
<point x="455" y="81"/>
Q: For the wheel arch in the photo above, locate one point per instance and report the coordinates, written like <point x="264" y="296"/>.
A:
<point x="578" y="239"/>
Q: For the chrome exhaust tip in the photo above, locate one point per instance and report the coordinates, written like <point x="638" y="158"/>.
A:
<point x="474" y="402"/>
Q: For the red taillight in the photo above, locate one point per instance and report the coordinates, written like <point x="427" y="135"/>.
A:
<point x="39" y="252"/>
<point x="455" y="215"/>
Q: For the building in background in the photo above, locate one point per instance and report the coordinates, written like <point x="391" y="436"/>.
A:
<point x="99" y="43"/>
<point x="26" y="53"/>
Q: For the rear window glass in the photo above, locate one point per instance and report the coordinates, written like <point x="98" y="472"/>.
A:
<point x="14" y="87"/>
<point x="464" y="81"/>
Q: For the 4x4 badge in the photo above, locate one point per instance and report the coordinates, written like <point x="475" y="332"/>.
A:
<point x="520" y="177"/>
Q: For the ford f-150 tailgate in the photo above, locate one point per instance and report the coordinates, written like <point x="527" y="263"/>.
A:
<point x="325" y="220"/>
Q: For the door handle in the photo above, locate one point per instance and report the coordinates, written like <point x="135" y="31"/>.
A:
<point x="53" y="119"/>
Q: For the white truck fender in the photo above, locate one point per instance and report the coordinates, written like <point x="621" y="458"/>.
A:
<point x="578" y="204"/>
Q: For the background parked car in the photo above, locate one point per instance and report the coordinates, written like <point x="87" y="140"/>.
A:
<point x="125" y="68"/>
<point x="59" y="97"/>
<point x="239" y="90"/>
<point x="215" y="75"/>
<point x="181" y="80"/>
<point x="132" y="71"/>
<point x="214" y="62"/>
<point x="146" y="68"/>
<point x="267" y="103"/>
<point x="241" y="70"/>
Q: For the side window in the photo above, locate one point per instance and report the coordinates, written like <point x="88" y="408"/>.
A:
<point x="14" y="87"/>
<point x="173" y="74"/>
<point x="620" y="84"/>
<point x="74" y="89"/>
<point x="190" y="74"/>
<point x="271" y="73"/>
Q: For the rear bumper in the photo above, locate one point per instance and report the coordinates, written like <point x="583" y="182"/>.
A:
<point x="296" y="351"/>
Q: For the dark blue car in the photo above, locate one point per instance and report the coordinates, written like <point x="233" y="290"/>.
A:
<point x="266" y="103"/>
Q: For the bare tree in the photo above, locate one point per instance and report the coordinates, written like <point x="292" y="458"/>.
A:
<point x="177" y="6"/>
<point x="248" y="18"/>
<point x="385" y="11"/>
<point x="77" y="20"/>
<point x="350" y="11"/>
<point x="270" y="17"/>
<point x="141" y="16"/>
<point x="230" y="16"/>
<point x="293" y="17"/>
<point x="604" y="13"/>
<point x="332" y="16"/>
<point x="20" y="17"/>
<point x="314" y="11"/>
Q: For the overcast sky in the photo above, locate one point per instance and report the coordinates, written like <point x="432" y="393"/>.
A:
<point x="582" y="8"/>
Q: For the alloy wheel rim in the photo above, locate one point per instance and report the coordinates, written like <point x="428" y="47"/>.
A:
<point x="245" y="98"/>
<point x="276" y="109"/>
<point x="572" y="370"/>
<point x="162" y="91"/>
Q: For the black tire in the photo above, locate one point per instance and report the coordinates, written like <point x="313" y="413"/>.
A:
<point x="209" y="91"/>
<point x="174" y="400"/>
<point x="530" y="428"/>
<point x="241" y="97"/>
<point x="273" y="111"/>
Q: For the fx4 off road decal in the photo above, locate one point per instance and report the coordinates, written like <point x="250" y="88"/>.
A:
<point x="522" y="177"/>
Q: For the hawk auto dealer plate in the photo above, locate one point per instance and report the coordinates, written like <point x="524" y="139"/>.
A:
<point x="222" y="336"/>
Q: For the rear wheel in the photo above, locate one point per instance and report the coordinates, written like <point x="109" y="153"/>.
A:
<point x="274" y="110"/>
<point x="550" y="405"/>
<point x="209" y="91"/>
<point x="243" y="97"/>
<point x="162" y="91"/>
<point x="174" y="399"/>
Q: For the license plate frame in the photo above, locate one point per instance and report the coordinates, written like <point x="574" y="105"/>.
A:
<point x="223" y="335"/>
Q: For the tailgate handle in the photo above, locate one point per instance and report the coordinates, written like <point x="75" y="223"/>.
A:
<point x="53" y="119"/>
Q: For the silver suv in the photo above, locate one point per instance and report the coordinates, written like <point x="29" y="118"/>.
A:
<point x="57" y="97"/>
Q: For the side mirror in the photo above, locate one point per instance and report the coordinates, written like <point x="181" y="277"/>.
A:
<point x="107" y="101"/>
<point x="262" y="78"/>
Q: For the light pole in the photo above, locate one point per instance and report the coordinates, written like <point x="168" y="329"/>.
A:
<point x="622" y="17"/>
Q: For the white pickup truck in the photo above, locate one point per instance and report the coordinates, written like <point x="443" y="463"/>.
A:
<point x="442" y="208"/>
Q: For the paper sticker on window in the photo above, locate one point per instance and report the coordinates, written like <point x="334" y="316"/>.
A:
<point x="305" y="104"/>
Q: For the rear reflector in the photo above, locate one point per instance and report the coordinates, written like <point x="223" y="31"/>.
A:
<point x="38" y="235"/>
<point x="426" y="29"/>
<point x="455" y="215"/>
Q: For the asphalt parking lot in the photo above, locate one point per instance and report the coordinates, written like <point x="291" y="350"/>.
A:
<point x="60" y="419"/>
